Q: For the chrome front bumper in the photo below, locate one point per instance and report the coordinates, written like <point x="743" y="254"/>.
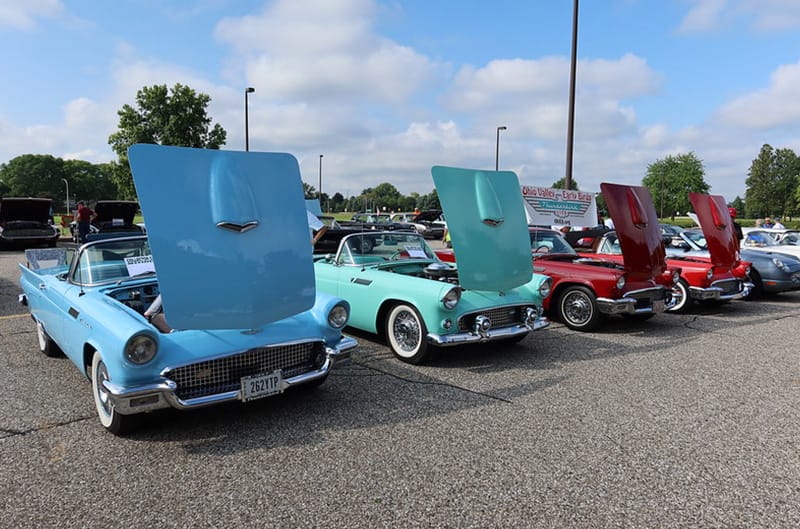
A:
<point x="521" y="329"/>
<point x="140" y="399"/>
<point x="627" y="304"/>
<point x="718" y="293"/>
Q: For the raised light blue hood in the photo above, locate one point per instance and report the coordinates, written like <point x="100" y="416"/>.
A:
<point x="487" y="225"/>
<point x="229" y="235"/>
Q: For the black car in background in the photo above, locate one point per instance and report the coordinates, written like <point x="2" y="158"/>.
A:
<point x="112" y="216"/>
<point x="26" y="221"/>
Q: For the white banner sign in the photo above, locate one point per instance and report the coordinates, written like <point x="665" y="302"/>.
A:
<point x="559" y="207"/>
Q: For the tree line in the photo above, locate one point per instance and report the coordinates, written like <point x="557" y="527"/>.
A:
<point x="178" y="116"/>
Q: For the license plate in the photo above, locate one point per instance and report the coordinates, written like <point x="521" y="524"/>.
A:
<point x="259" y="386"/>
<point x="658" y="305"/>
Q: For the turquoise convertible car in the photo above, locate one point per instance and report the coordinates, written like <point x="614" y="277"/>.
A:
<point x="232" y="313"/>
<point x="398" y="288"/>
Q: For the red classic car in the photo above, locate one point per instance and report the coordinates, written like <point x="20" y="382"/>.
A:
<point x="587" y="288"/>
<point x="720" y="277"/>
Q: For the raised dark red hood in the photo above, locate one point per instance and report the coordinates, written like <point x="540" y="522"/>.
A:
<point x="717" y="225"/>
<point x="635" y="220"/>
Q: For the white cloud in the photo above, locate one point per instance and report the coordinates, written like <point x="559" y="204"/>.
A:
<point x="703" y="16"/>
<point x="774" y="106"/>
<point x="758" y="15"/>
<point x="24" y="14"/>
<point x="323" y="50"/>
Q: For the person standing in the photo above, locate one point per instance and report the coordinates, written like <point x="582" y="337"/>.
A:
<point x="736" y="226"/>
<point x="777" y="225"/>
<point x="84" y="219"/>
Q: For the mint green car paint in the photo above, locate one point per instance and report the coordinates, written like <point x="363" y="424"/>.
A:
<point x="487" y="224"/>
<point x="492" y="295"/>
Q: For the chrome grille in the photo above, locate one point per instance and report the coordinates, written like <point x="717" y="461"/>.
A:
<point x="28" y="232"/>
<point x="728" y="286"/>
<point x="645" y="297"/>
<point x="224" y="374"/>
<point x="499" y="316"/>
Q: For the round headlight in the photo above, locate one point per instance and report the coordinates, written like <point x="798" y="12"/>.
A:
<point x="621" y="282"/>
<point x="710" y="273"/>
<point x="451" y="299"/>
<point x="337" y="317"/>
<point x="141" y="348"/>
<point x="676" y="276"/>
<point x="778" y="263"/>
<point x="544" y="288"/>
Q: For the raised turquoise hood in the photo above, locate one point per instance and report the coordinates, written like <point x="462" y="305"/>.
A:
<point x="487" y="225"/>
<point x="229" y="235"/>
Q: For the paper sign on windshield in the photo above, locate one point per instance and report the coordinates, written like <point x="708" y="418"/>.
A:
<point x="415" y="251"/>
<point x="139" y="265"/>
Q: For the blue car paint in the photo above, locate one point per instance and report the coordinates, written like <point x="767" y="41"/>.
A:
<point x="83" y="318"/>
<point x="195" y="202"/>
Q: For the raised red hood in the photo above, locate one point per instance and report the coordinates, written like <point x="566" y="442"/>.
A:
<point x="635" y="220"/>
<point x="717" y="224"/>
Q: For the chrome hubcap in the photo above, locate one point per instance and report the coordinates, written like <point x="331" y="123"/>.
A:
<point x="577" y="308"/>
<point x="102" y="394"/>
<point x="406" y="331"/>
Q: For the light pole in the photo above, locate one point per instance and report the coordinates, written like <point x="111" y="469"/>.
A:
<point x="497" y="149"/>
<point x="67" y="184"/>
<point x="248" y="90"/>
<point x="319" y="192"/>
<point x="571" y="119"/>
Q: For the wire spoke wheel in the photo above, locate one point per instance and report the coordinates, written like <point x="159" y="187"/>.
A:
<point x="407" y="334"/>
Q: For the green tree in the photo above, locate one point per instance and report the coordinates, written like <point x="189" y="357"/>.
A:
<point x="35" y="175"/>
<point x="772" y="183"/>
<point x="739" y="204"/>
<point x="167" y="117"/>
<point x="559" y="184"/>
<point x="429" y="201"/>
<point x="672" y="179"/>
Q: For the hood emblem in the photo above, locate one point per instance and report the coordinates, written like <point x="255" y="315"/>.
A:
<point x="236" y="227"/>
<point x="489" y="208"/>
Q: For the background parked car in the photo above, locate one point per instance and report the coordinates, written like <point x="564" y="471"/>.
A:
<point x="26" y="221"/>
<point x="112" y="216"/>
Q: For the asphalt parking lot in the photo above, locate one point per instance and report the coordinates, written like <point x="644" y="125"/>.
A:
<point x="680" y="421"/>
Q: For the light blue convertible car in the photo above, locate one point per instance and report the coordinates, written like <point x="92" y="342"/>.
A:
<point x="233" y="313"/>
<point x="398" y="288"/>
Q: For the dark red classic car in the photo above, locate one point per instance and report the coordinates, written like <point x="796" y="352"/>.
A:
<point x="587" y="288"/>
<point x="720" y="277"/>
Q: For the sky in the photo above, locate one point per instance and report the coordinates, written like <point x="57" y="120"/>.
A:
<point x="385" y="89"/>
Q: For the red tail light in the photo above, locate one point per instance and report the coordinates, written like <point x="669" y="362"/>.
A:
<point x="638" y="216"/>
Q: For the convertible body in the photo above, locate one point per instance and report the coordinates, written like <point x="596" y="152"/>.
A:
<point x="720" y="276"/>
<point x="232" y="314"/>
<point x="398" y="288"/>
<point x="586" y="289"/>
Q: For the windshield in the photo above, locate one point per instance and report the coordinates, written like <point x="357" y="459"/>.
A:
<point x="696" y="237"/>
<point x="113" y="260"/>
<point x="366" y="248"/>
<point x="758" y="239"/>
<point x="545" y="241"/>
<point x="791" y="238"/>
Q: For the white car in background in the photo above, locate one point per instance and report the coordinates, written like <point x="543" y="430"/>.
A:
<point x="770" y="240"/>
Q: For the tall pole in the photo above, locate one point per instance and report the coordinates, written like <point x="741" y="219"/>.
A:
<point x="67" y="184"/>
<point x="497" y="149"/>
<point x="248" y="90"/>
<point x="571" y="119"/>
<point x="319" y="193"/>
